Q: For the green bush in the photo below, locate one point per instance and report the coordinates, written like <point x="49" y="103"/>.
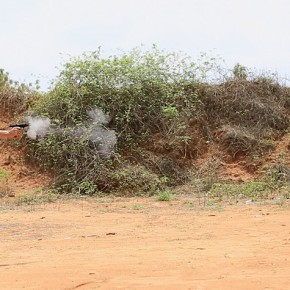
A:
<point x="143" y="92"/>
<point x="74" y="161"/>
<point x="240" y="71"/>
<point x="139" y="90"/>
<point x="136" y="180"/>
<point x="241" y="190"/>
<point x="165" y="195"/>
<point x="78" y="168"/>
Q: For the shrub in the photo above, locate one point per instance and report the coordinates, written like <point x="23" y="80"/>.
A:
<point x="246" y="115"/>
<point x="74" y="161"/>
<point x="15" y="97"/>
<point x="241" y="190"/>
<point x="240" y="71"/>
<point x="241" y="140"/>
<point x="258" y="105"/>
<point x="135" y="180"/>
<point x="77" y="167"/>
<point x="141" y="91"/>
<point x="165" y="195"/>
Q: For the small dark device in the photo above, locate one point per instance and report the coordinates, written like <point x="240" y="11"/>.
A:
<point x="22" y="125"/>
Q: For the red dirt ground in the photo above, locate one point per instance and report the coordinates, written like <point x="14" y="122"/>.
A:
<point x="144" y="244"/>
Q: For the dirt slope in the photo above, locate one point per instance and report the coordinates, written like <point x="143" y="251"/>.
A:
<point x="240" y="169"/>
<point x="25" y="179"/>
<point x="22" y="178"/>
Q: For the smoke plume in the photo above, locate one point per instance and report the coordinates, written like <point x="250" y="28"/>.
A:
<point x="103" y="139"/>
<point x="38" y="127"/>
<point x="98" y="117"/>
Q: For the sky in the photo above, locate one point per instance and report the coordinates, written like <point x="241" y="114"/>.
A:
<point x="38" y="36"/>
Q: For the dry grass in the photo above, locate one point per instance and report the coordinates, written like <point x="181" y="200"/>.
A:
<point x="244" y="116"/>
<point x="14" y="102"/>
<point x="252" y="104"/>
<point x="240" y="140"/>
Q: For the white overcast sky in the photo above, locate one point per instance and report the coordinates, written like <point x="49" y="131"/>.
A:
<point x="37" y="34"/>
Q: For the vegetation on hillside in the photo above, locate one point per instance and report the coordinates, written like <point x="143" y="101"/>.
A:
<point x="144" y="93"/>
<point x="15" y="97"/>
<point x="165" y="114"/>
